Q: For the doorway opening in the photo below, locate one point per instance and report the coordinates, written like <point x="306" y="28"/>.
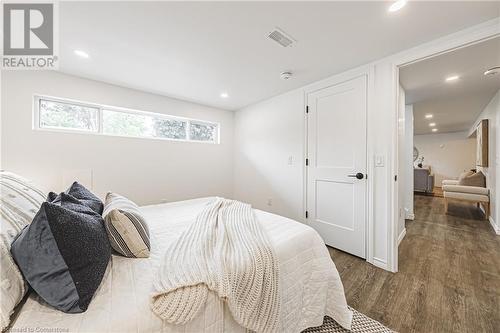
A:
<point x="447" y="120"/>
<point x="448" y="164"/>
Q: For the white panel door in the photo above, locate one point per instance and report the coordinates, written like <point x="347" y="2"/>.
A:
<point x="336" y="171"/>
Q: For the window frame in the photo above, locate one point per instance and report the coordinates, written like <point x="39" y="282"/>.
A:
<point x="202" y="122"/>
<point x="37" y="98"/>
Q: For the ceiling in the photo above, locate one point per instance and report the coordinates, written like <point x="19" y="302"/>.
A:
<point x="197" y="50"/>
<point x="455" y="105"/>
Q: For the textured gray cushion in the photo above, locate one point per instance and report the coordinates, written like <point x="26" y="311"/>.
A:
<point x="81" y="193"/>
<point x="63" y="253"/>
<point x="475" y="179"/>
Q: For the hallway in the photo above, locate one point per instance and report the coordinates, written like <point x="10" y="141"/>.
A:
<point x="448" y="279"/>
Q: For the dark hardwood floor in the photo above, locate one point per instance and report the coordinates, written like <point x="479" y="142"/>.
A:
<point x="448" y="279"/>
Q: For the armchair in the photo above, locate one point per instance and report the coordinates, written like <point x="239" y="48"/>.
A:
<point x="451" y="190"/>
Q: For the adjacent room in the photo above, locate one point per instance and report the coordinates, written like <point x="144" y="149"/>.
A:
<point x="209" y="167"/>
<point x="448" y="120"/>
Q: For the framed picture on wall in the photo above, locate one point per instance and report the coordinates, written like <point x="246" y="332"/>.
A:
<point x="482" y="143"/>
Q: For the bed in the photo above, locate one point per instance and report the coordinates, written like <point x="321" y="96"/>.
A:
<point x="311" y="284"/>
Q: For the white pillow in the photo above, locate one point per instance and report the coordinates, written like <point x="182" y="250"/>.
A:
<point x="12" y="285"/>
<point x="20" y="199"/>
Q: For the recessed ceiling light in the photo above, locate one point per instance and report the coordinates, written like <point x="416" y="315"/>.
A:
<point x="81" y="53"/>
<point x="452" y="78"/>
<point x="224" y="95"/>
<point x="492" y="71"/>
<point x="428" y="116"/>
<point x="432" y="124"/>
<point x="397" y="6"/>
<point x="434" y="129"/>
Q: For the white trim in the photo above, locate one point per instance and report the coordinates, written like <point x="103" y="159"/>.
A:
<point x="410" y="216"/>
<point x="495" y="226"/>
<point x="380" y="263"/>
<point x="393" y="197"/>
<point x="305" y="154"/>
<point x="472" y="35"/>
<point x="469" y="36"/>
<point x="401" y="236"/>
<point x="102" y="107"/>
<point x="370" y="154"/>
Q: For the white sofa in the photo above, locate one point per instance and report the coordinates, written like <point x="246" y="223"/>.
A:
<point x="451" y="190"/>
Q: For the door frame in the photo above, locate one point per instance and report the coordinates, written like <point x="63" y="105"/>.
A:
<point x="476" y="34"/>
<point x="366" y="71"/>
<point x="339" y="79"/>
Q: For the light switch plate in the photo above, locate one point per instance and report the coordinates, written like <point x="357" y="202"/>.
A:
<point x="379" y="161"/>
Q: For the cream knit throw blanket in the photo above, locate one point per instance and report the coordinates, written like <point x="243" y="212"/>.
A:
<point x="225" y="251"/>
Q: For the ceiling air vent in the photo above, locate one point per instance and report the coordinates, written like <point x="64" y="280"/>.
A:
<point x="280" y="37"/>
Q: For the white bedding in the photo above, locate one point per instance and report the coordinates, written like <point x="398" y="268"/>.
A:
<point x="311" y="284"/>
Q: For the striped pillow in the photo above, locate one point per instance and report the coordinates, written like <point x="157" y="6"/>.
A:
<point x="127" y="230"/>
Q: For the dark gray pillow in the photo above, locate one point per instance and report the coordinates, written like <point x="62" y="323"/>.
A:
<point x="63" y="253"/>
<point x="81" y="193"/>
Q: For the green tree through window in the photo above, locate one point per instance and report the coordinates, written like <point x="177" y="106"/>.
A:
<point x="110" y="121"/>
<point x="63" y="115"/>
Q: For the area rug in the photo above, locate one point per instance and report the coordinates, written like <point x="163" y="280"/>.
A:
<point x="360" y="324"/>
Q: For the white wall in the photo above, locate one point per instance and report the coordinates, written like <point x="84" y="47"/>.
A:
<point x="492" y="113"/>
<point x="269" y="132"/>
<point x="448" y="154"/>
<point x="408" y="142"/>
<point x="146" y="170"/>
<point x="268" y="136"/>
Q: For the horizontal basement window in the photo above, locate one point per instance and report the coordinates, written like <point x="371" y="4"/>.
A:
<point x="57" y="114"/>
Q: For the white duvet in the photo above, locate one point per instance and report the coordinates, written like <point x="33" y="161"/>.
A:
<point x="311" y="286"/>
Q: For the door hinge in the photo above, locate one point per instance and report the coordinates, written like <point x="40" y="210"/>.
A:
<point x="307" y="214"/>
<point x="307" y="108"/>
<point x="307" y="161"/>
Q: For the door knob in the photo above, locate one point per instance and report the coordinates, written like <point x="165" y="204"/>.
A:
<point x="359" y="175"/>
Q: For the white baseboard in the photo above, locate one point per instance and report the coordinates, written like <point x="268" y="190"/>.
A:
<point x="401" y="236"/>
<point x="380" y="263"/>
<point x="494" y="225"/>
<point x="410" y="216"/>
